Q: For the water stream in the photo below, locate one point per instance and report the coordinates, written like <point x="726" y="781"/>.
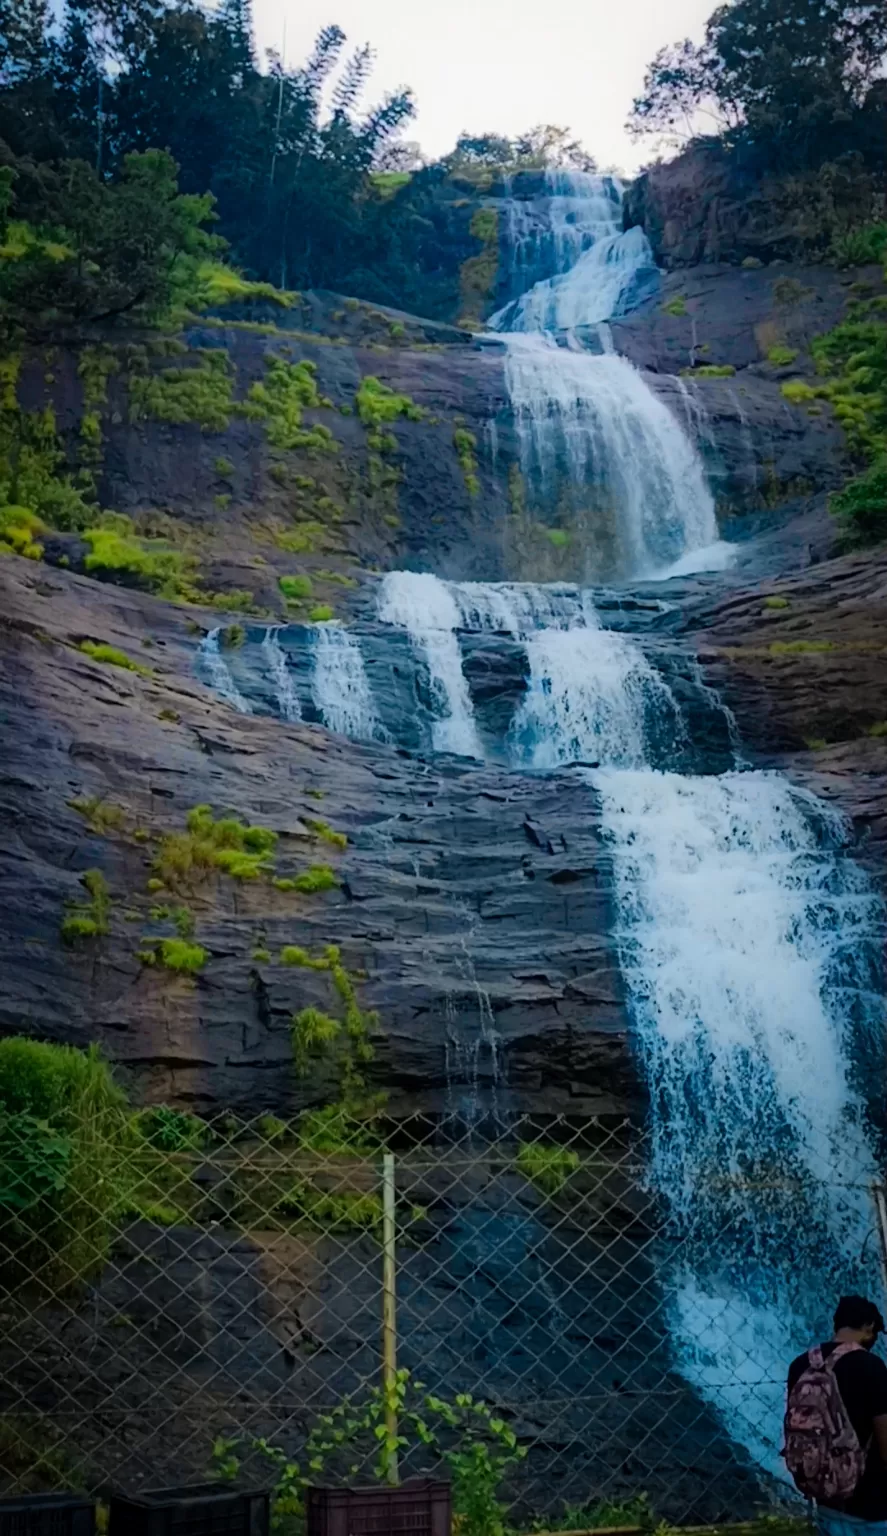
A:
<point x="340" y="686"/>
<point x="214" y="669"/>
<point x="288" y="705"/>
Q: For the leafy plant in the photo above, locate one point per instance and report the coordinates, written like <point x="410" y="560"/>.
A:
<point x="295" y="588"/>
<point x="110" y="656"/>
<point x="176" y="955"/>
<point x="89" y="919"/>
<point x="378" y="404"/>
<point x="233" y="847"/>
<point x="325" y="832"/>
<point x="861" y="507"/>
<point x="64" y="1137"/>
<point x="171" y="1130"/>
<point x="464" y="1433"/>
<point x="676" y="306"/>
<point x="781" y="356"/>
<point x="547" y="1167"/>
<point x="465" y="444"/>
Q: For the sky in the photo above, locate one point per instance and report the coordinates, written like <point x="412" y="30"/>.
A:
<point x="501" y="65"/>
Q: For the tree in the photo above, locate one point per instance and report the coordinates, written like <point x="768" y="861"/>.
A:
<point x="778" y="72"/>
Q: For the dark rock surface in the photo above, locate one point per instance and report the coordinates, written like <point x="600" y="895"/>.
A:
<point x="448" y="901"/>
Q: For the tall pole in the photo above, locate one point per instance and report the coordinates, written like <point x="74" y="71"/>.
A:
<point x="389" y="1310"/>
<point x="880" y="1204"/>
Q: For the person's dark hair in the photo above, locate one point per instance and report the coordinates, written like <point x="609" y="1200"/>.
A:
<point x="856" y="1312"/>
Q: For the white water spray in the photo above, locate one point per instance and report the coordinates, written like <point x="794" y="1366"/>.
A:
<point x="215" y="671"/>
<point x="340" y="685"/>
<point x="426" y="609"/>
<point x="597" y="419"/>
<point x="288" y="704"/>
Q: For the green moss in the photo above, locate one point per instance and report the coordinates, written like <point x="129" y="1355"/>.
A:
<point x="19" y="531"/>
<point x="781" y="356"/>
<point x="223" y="467"/>
<point x="800" y="647"/>
<point x="222" y="501"/>
<point x="321" y="614"/>
<point x="200" y="393"/>
<point x="306" y="539"/>
<point x="295" y="955"/>
<point x="261" y="956"/>
<point x="110" y="656"/>
<point x="477" y="275"/>
<point x="212" y="284"/>
<point x="296" y="587"/>
<point x="861" y="507"/>
<point x="547" y="1167"/>
<point x="709" y="371"/>
<point x="797" y="392"/>
<point x="228" y="846"/>
<point x="559" y="537"/>
<point x="397" y="331"/>
<point x="89" y="919"/>
<point x="319" y="877"/>
<point x="878" y="729"/>
<point x="465" y="444"/>
<point x="325" y="832"/>
<point x="65" y="1143"/>
<point x="776" y="602"/>
<point x="102" y="816"/>
<point x="279" y="400"/>
<point x="815" y="743"/>
<point x="377" y="404"/>
<point x="116" y="554"/>
<point x="178" y="955"/>
<point x="676" y="306"/>
<point x="172" y="715"/>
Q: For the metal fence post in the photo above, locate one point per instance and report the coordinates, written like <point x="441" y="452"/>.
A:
<point x="389" y="1309"/>
<point x="880" y="1204"/>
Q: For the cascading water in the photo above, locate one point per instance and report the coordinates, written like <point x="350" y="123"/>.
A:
<point x="215" y="671"/>
<point x="597" y="269"/>
<point x="425" y="608"/>
<point x="340" y="686"/>
<point x="746" y="940"/>
<point x="288" y="705"/>
<point x="596" y="418"/>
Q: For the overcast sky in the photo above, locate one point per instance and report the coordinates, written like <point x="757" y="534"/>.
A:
<point x="501" y="65"/>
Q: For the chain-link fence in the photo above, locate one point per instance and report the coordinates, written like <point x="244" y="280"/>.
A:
<point x="182" y="1297"/>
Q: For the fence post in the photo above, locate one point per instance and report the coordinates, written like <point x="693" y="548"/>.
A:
<point x="880" y="1204"/>
<point x="389" y="1309"/>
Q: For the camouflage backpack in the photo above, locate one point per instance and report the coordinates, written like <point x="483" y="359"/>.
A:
<point x="822" y="1451"/>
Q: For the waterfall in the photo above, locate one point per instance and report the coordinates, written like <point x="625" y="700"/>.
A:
<point x="288" y="705"/>
<point x="212" y="665"/>
<point x="426" y="609"/>
<point x="593" y="696"/>
<point x="340" y="686"/>
<point x="597" y="418"/>
<point x="598" y="270"/>
<point x="635" y="480"/>
<point x="748" y="943"/>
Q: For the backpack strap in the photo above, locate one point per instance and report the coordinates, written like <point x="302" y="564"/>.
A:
<point x="819" y="1362"/>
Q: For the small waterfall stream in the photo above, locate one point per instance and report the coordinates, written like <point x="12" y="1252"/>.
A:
<point x="214" y="669"/>
<point x="288" y="705"/>
<point x="340" y="686"/>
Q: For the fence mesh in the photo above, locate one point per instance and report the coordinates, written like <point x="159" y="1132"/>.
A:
<point x="181" y="1297"/>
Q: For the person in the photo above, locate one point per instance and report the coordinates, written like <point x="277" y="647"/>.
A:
<point x="861" y="1379"/>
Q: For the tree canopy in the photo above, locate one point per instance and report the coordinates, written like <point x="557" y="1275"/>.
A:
<point x="795" y="77"/>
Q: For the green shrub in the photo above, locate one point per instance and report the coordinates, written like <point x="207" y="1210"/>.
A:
<point x="110" y="656"/>
<point x="232" y="637"/>
<point x="306" y="539"/>
<point x="115" y="553"/>
<point x="774" y="601"/>
<point x="244" y="852"/>
<point x="321" y="614"/>
<point x="345" y="1210"/>
<point x="377" y="404"/>
<point x="862" y="247"/>
<point x="709" y="371"/>
<point x="223" y="467"/>
<point x="546" y="1167"/>
<point x="780" y="356"/>
<point x="200" y="392"/>
<point x="465" y="444"/>
<point x="318" y="878"/>
<point x="676" y="306"/>
<point x="294" y="954"/>
<point x="797" y="392"/>
<point x="89" y="919"/>
<point x="861" y="507"/>
<point x="800" y="647"/>
<point x="19" y="530"/>
<point x="176" y="955"/>
<point x="558" y="537"/>
<point x="213" y="284"/>
<point x="279" y="400"/>
<point x="294" y="588"/>
<point x="878" y="729"/>
<point x="325" y="832"/>
<point x="171" y="1130"/>
<point x="272" y="1129"/>
<point x="65" y="1134"/>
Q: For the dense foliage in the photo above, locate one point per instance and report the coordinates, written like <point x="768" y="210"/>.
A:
<point x="798" y="80"/>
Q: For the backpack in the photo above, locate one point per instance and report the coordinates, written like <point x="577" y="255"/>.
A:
<point x="822" y="1450"/>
